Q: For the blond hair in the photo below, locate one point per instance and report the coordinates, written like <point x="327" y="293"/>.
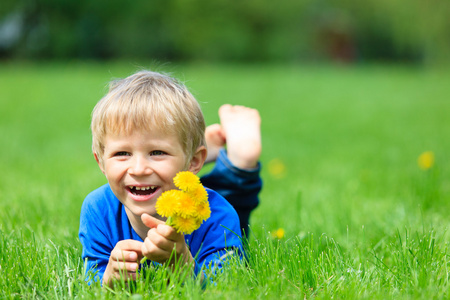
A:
<point x="145" y="101"/>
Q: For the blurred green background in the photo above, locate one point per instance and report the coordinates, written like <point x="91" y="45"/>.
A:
<point x="413" y="31"/>
<point x="351" y="94"/>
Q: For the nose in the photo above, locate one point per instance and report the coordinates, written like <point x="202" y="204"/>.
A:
<point x="140" y="166"/>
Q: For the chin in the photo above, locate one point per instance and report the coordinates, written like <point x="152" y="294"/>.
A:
<point x="139" y="211"/>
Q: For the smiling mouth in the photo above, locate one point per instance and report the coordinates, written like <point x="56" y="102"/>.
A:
<point x="142" y="190"/>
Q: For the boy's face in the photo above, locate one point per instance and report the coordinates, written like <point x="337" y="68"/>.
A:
<point x="141" y="166"/>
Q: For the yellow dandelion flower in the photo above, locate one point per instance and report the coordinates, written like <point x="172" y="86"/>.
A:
<point x="277" y="168"/>
<point x="426" y="160"/>
<point x="186" y="181"/>
<point x="203" y="211"/>
<point x="279" y="233"/>
<point x="186" y="207"/>
<point x="199" y="194"/>
<point x="185" y="225"/>
<point x="168" y="203"/>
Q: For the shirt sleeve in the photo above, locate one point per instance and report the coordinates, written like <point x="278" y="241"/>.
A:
<point x="97" y="245"/>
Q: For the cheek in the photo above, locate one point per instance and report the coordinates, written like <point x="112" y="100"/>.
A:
<point x="113" y="171"/>
<point x="171" y="166"/>
<point x="168" y="173"/>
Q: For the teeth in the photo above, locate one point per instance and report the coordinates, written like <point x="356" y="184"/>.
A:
<point x="143" y="188"/>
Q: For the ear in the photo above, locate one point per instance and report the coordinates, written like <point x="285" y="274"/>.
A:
<point x="100" y="164"/>
<point x="198" y="160"/>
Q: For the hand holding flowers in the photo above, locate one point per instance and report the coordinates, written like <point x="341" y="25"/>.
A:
<point x="185" y="210"/>
<point x="163" y="243"/>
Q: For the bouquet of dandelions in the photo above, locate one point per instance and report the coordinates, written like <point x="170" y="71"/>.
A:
<point x="186" y="208"/>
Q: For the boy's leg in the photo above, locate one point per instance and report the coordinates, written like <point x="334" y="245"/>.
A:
<point x="236" y="173"/>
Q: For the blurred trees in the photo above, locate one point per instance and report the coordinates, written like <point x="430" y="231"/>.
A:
<point x="245" y="30"/>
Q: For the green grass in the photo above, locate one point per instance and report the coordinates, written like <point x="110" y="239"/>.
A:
<point x="361" y="219"/>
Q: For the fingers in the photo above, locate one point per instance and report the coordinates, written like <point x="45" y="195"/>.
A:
<point x="127" y="250"/>
<point x="123" y="261"/>
<point x="169" y="233"/>
<point x="156" y="246"/>
<point x="161" y="242"/>
<point x="149" y="221"/>
<point x="162" y="237"/>
<point x="165" y="230"/>
<point x="124" y="276"/>
<point x="130" y="245"/>
<point x="119" y="271"/>
<point x="124" y="256"/>
<point x="155" y="253"/>
<point x="120" y="266"/>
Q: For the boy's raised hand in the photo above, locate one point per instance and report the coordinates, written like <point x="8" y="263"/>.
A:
<point x="162" y="240"/>
<point x="123" y="261"/>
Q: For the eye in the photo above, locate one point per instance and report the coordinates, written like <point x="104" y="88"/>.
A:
<point x="121" y="153"/>
<point x="157" y="152"/>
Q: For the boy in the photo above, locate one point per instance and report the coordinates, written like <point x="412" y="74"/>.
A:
<point x="145" y="130"/>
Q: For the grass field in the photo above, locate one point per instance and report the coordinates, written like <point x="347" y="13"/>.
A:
<point x="346" y="211"/>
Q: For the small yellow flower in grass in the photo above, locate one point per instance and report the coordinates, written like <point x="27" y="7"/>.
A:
<point x="279" y="234"/>
<point x="426" y="160"/>
<point x="186" y="181"/>
<point x="277" y="168"/>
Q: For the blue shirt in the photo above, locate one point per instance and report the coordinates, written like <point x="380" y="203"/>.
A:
<point x="104" y="222"/>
